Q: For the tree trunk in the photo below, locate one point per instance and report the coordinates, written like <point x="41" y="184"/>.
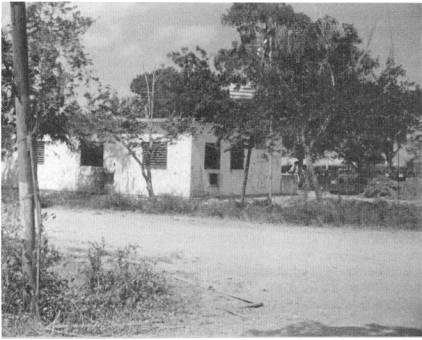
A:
<point x="245" y="174"/>
<point x="146" y="170"/>
<point x="312" y="178"/>
<point x="26" y="188"/>
<point x="146" y="160"/>
<point x="310" y="173"/>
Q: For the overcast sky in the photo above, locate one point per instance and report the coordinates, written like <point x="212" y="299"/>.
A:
<point x="127" y="38"/>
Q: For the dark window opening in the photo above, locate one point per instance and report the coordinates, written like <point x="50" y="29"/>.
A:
<point x="212" y="156"/>
<point x="261" y="145"/>
<point x="92" y="154"/>
<point x="39" y="152"/>
<point x="286" y="168"/>
<point x="159" y="154"/>
<point x="236" y="158"/>
<point x="213" y="179"/>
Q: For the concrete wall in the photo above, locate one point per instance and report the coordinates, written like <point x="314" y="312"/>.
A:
<point x="230" y="181"/>
<point x="62" y="170"/>
<point x="174" y="180"/>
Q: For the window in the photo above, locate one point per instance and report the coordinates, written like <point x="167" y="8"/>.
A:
<point x="92" y="154"/>
<point x="159" y="154"/>
<point x="212" y="156"/>
<point x="261" y="145"/>
<point x="236" y="158"/>
<point x="213" y="180"/>
<point x="39" y="152"/>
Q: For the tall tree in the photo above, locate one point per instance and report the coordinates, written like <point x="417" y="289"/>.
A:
<point x="58" y="66"/>
<point x="300" y="70"/>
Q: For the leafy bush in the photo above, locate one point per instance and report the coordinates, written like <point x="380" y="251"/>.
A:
<point x="14" y="290"/>
<point x="111" y="283"/>
<point x="119" y="284"/>
<point x="381" y="186"/>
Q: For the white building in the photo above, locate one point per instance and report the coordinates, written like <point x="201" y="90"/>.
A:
<point x="191" y="166"/>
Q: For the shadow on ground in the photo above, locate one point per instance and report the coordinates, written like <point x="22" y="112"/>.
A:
<point x="311" y="328"/>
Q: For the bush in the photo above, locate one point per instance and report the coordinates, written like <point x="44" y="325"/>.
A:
<point x="111" y="284"/>
<point x="14" y="289"/>
<point x="381" y="186"/>
<point x="119" y="284"/>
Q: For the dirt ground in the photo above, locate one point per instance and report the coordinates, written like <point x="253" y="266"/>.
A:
<point x="311" y="281"/>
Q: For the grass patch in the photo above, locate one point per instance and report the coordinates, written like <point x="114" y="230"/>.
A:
<point x="330" y="211"/>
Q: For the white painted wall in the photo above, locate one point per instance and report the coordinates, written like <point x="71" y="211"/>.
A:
<point x="230" y="181"/>
<point x="174" y="180"/>
<point x="185" y="174"/>
<point x="60" y="170"/>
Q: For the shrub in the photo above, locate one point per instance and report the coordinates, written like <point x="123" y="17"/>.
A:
<point x="14" y="290"/>
<point x="115" y="283"/>
<point x="381" y="186"/>
<point x="118" y="284"/>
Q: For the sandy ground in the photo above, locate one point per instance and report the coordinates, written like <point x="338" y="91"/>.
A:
<point x="312" y="281"/>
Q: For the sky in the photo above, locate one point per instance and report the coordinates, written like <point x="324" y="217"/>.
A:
<point x="128" y="38"/>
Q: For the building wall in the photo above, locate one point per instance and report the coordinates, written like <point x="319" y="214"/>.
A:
<point x="128" y="179"/>
<point x="230" y="181"/>
<point x="62" y="170"/>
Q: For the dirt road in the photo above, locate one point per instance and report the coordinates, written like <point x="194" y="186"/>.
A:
<point x="330" y="281"/>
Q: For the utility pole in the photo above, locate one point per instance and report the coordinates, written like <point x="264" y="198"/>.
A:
<point x="26" y="187"/>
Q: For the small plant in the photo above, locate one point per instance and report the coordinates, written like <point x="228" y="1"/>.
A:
<point x="112" y="285"/>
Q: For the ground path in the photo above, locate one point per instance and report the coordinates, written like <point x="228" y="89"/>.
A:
<point x="332" y="281"/>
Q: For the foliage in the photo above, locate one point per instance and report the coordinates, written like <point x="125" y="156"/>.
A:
<point x="381" y="186"/>
<point x="111" y="283"/>
<point x="126" y="283"/>
<point x="301" y="70"/>
<point x="14" y="288"/>
<point x="58" y="67"/>
<point x="379" y="114"/>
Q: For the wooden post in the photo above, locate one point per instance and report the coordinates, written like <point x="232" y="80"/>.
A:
<point x="26" y="192"/>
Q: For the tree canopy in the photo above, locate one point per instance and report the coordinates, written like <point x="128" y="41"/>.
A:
<point x="59" y="67"/>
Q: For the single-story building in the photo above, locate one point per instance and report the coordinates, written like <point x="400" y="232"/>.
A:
<point x="191" y="166"/>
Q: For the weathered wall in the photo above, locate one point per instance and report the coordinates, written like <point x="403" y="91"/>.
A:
<point x="62" y="171"/>
<point x="174" y="180"/>
<point x="230" y="181"/>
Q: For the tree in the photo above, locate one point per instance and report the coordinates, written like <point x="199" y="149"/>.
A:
<point x="376" y="117"/>
<point x="58" y="66"/>
<point x="397" y="109"/>
<point x="141" y="123"/>
<point x="180" y="95"/>
<point x="204" y="96"/>
<point x="301" y="71"/>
